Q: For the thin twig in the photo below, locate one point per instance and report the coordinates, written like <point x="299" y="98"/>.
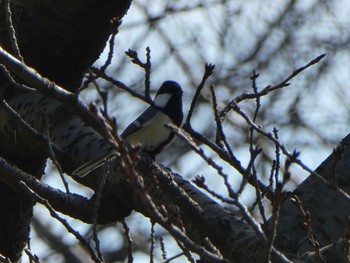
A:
<point x="152" y="242"/>
<point x="277" y="201"/>
<point x="32" y="257"/>
<point x="115" y="23"/>
<point x="307" y="222"/>
<point x="245" y="212"/>
<point x="259" y="199"/>
<point x="278" y="155"/>
<point x="52" y="155"/>
<point x="120" y="85"/>
<point x="129" y="240"/>
<point x="273" y="139"/>
<point x="233" y="161"/>
<point x="220" y="135"/>
<point x="13" y="82"/>
<point x="12" y="31"/>
<point x="57" y="165"/>
<point x="248" y="174"/>
<point x="186" y="252"/>
<point x="146" y="66"/>
<point x="173" y="257"/>
<point x="199" y="180"/>
<point x="257" y="99"/>
<point x="162" y="248"/>
<point x="207" y="159"/>
<point x="208" y="71"/>
<point x="54" y="214"/>
<point x="254" y="151"/>
<point x="148" y="73"/>
<point x="98" y="195"/>
<point x="268" y="89"/>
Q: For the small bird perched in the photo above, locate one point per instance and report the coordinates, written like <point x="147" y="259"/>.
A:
<point x="149" y="129"/>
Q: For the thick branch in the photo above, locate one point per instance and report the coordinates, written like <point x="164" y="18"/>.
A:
<point x="326" y="201"/>
<point x="73" y="205"/>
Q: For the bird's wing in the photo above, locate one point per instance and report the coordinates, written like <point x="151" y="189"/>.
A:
<point x="92" y="165"/>
<point x="141" y="121"/>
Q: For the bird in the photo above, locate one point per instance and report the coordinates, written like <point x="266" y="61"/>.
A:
<point x="149" y="130"/>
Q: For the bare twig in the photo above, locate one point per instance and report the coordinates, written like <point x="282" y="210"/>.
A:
<point x="207" y="159"/>
<point x="54" y="214"/>
<point x="256" y="92"/>
<point x="13" y="82"/>
<point x="162" y="248"/>
<point x="268" y="89"/>
<point x="199" y="180"/>
<point x="271" y="233"/>
<point x="148" y="73"/>
<point x="249" y="174"/>
<point x="52" y="155"/>
<point x="57" y="165"/>
<point x="120" y="85"/>
<point x="255" y="150"/>
<point x="146" y="66"/>
<point x="233" y="161"/>
<point x="283" y="149"/>
<point x="115" y="23"/>
<point x="271" y="138"/>
<point x="32" y="257"/>
<point x="103" y="95"/>
<point x="209" y="68"/>
<point x="98" y="196"/>
<point x="235" y="198"/>
<point x="277" y="161"/>
<point x="173" y="257"/>
<point x="129" y="240"/>
<point x="220" y="135"/>
<point x="259" y="198"/>
<point x="307" y="222"/>
<point x="12" y="31"/>
<point x="152" y="242"/>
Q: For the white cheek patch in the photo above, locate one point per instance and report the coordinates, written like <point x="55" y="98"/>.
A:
<point x="161" y="100"/>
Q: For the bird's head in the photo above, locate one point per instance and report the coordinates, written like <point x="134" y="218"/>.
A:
<point x="169" y="101"/>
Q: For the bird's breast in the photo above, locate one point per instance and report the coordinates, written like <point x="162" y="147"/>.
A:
<point x="153" y="134"/>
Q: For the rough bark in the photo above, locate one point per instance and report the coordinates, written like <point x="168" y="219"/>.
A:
<point x="61" y="39"/>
